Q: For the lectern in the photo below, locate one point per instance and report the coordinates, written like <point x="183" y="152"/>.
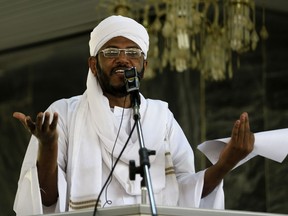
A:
<point x="143" y="210"/>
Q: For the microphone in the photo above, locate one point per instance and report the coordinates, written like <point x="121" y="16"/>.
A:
<point x="132" y="79"/>
<point x="132" y="87"/>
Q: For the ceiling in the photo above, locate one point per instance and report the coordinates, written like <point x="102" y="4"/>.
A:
<point x="28" y="22"/>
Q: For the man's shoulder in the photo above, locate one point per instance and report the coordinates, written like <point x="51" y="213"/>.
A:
<point x="158" y="108"/>
<point x="65" y="103"/>
<point x="157" y="103"/>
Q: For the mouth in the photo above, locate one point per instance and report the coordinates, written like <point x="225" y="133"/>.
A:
<point x="119" y="71"/>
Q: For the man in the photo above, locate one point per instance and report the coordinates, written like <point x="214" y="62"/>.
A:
<point x="76" y="141"/>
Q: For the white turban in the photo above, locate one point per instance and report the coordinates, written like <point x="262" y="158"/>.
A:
<point x="115" y="26"/>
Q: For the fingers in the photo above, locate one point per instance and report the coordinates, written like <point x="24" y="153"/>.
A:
<point x="246" y="132"/>
<point x="39" y="121"/>
<point x="18" y="115"/>
<point x="242" y="134"/>
<point x="42" y="122"/>
<point x="246" y="138"/>
<point x="54" y="122"/>
<point x="242" y="137"/>
<point x="21" y="117"/>
<point x="247" y="124"/>
<point x="46" y="121"/>
<point x="235" y="132"/>
<point x="25" y="120"/>
<point x="241" y="131"/>
<point x="30" y="124"/>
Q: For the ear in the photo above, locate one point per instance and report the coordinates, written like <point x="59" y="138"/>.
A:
<point x="145" y="63"/>
<point x="92" y="61"/>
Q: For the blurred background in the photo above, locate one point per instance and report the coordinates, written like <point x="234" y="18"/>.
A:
<point x="210" y="60"/>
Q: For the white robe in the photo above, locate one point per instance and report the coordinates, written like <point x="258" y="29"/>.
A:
<point x="86" y="141"/>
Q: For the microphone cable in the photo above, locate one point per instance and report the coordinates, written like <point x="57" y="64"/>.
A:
<point x="112" y="170"/>
<point x="107" y="201"/>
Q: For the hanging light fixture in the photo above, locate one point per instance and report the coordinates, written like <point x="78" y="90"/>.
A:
<point x="185" y="36"/>
<point x="214" y="52"/>
<point x="241" y="25"/>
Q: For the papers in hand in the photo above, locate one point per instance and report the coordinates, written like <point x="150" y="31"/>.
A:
<point x="269" y="144"/>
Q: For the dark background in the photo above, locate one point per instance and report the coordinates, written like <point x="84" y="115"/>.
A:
<point x="38" y="74"/>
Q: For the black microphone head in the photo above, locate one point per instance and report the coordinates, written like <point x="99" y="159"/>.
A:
<point x="130" y="72"/>
<point x="132" y="79"/>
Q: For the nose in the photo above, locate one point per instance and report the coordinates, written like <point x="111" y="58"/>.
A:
<point x="122" y="57"/>
<point x="122" y="53"/>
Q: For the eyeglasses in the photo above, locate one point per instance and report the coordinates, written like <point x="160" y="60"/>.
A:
<point x="115" y="52"/>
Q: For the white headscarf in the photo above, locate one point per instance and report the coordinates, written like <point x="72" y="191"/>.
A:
<point x="115" y="26"/>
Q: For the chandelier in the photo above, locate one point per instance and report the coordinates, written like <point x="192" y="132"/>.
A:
<point x="194" y="34"/>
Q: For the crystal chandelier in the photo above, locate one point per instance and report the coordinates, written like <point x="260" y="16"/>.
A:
<point x="193" y="34"/>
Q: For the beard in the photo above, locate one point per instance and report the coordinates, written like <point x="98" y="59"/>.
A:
<point x="107" y="87"/>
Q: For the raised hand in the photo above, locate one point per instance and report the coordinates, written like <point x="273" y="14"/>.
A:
<point x="240" y="145"/>
<point x="47" y="136"/>
<point x="42" y="128"/>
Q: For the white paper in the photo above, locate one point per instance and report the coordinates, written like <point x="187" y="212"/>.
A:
<point x="269" y="144"/>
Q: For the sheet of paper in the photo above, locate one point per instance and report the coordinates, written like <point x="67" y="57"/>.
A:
<point x="269" y="144"/>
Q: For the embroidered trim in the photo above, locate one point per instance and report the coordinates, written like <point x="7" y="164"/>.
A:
<point x="83" y="204"/>
<point x="169" y="170"/>
<point x="167" y="153"/>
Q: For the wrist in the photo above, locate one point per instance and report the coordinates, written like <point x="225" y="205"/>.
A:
<point x="47" y="156"/>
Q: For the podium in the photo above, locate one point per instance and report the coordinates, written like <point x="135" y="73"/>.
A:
<point x="144" y="210"/>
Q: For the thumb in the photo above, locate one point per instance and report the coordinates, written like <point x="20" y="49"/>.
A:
<point x="20" y="116"/>
<point x="25" y="120"/>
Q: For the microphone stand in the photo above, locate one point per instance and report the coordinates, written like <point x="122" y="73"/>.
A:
<point x="132" y="86"/>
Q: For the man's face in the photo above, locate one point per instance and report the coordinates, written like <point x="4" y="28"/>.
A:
<point x="109" y="71"/>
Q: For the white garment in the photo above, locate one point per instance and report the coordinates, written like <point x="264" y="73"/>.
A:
<point x="84" y="158"/>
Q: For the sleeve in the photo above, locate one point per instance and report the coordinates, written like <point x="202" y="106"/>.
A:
<point x="190" y="182"/>
<point x="191" y="186"/>
<point x="28" y="198"/>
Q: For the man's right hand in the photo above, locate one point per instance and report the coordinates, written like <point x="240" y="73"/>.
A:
<point x="47" y="136"/>
<point x="45" y="132"/>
